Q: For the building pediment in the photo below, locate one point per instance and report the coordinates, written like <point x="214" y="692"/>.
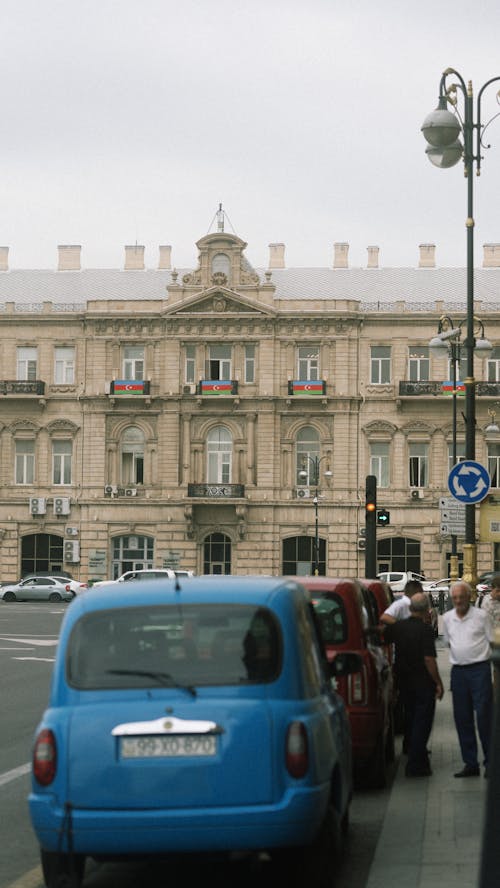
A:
<point x="217" y="301"/>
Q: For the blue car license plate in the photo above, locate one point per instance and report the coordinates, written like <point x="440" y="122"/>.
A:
<point x="170" y="747"/>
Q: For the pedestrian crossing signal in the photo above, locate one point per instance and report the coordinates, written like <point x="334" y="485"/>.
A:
<point x="383" y="517"/>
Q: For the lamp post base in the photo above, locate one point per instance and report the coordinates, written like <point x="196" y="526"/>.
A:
<point x="470" y="567"/>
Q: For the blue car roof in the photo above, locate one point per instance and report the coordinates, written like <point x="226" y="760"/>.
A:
<point x="256" y="590"/>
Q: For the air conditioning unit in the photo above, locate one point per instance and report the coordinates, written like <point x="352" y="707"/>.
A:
<point x="417" y="493"/>
<point x="61" y="505"/>
<point x="38" y="505"/>
<point x="110" y="490"/>
<point x="71" y="551"/>
<point x="302" y="492"/>
<point x="130" y="491"/>
<point x="189" y="388"/>
<point x="107" y="388"/>
<point x="72" y="531"/>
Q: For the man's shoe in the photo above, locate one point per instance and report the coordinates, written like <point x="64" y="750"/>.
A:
<point x="468" y="771"/>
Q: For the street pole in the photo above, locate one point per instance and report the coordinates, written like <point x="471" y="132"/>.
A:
<point x="441" y="129"/>
<point x="454" y="353"/>
<point x="304" y="474"/>
<point x="316" y="537"/>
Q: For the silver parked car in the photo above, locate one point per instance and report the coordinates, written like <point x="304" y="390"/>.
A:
<point x="39" y="589"/>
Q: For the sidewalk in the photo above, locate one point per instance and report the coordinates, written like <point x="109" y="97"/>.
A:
<point x="432" y="831"/>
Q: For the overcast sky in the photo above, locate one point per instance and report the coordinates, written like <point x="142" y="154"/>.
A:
<point x="127" y="121"/>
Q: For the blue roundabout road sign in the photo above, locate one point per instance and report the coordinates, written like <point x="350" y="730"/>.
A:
<point x="469" y="482"/>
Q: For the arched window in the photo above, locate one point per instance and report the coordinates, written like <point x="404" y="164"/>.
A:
<point x="219" y="456"/>
<point x="307" y="451"/>
<point x="222" y="263"/>
<point x="132" y="456"/>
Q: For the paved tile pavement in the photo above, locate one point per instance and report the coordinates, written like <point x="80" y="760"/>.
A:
<point x="432" y="831"/>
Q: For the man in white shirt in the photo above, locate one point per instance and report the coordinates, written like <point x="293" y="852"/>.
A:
<point x="400" y="607"/>
<point x="467" y="631"/>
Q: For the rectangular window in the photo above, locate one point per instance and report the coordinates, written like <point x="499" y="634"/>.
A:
<point x="493" y="365"/>
<point x="250" y="363"/>
<point x="190" y="369"/>
<point x="219" y="362"/>
<point x="25" y="462"/>
<point x="133" y="362"/>
<point x="379" y="463"/>
<point x="308" y="362"/>
<point x="64" y="365"/>
<point x="418" y="363"/>
<point x="418" y="465"/>
<point x="380" y="364"/>
<point x="27" y="363"/>
<point x="219" y="467"/>
<point x="61" y="462"/>
<point x="494" y="464"/>
<point x="460" y="454"/>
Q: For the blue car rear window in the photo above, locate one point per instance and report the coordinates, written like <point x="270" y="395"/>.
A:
<point x="191" y="645"/>
<point x="332" y="619"/>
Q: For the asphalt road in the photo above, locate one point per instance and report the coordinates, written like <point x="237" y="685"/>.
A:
<point x="28" y="639"/>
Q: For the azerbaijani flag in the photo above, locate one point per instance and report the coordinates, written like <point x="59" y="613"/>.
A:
<point x="128" y="387"/>
<point x="447" y="388"/>
<point x="307" y="387"/>
<point x="217" y="387"/>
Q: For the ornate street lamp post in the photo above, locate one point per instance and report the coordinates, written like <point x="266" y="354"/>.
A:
<point x="315" y="462"/>
<point x="448" y="342"/>
<point x="442" y="129"/>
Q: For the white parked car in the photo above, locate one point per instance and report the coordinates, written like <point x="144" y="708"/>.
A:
<point x="147" y="573"/>
<point x="397" y="579"/>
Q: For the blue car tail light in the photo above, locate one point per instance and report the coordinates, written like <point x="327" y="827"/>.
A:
<point x="297" y="750"/>
<point x="45" y="757"/>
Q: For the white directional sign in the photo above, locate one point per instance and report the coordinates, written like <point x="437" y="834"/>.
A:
<point x="469" y="482"/>
<point x="452" y="516"/>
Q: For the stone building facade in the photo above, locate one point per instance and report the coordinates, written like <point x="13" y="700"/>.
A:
<point x="224" y="418"/>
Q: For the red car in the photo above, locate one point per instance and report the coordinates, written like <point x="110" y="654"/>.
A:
<point x="382" y="596"/>
<point x="348" y="618"/>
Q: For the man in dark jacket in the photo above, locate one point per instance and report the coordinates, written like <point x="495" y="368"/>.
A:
<point x="418" y="680"/>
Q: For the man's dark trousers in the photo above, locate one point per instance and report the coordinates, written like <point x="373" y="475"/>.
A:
<point x="420" y="705"/>
<point x="471" y="689"/>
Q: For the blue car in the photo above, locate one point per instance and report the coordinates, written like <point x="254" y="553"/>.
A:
<point x="192" y="715"/>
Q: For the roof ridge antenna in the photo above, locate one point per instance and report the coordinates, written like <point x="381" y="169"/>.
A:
<point x="220" y="215"/>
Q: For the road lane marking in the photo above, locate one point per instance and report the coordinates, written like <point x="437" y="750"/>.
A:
<point x="41" y="642"/>
<point x="37" y="659"/>
<point x="8" y="776"/>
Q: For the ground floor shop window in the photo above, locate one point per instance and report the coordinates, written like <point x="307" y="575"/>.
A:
<point x="132" y="552"/>
<point x="41" y="553"/>
<point x="399" y="553"/>
<point x="217" y="554"/>
<point x="299" y="556"/>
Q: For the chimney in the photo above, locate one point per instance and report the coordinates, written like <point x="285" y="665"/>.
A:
<point x="491" y="257"/>
<point x="427" y="256"/>
<point x="165" y="257"/>
<point x="372" y="257"/>
<point x="4" y="258"/>
<point x="134" y="258"/>
<point x="69" y="258"/>
<point x="340" y="255"/>
<point x="276" y="255"/>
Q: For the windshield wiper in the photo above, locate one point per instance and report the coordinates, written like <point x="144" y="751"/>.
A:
<point x="164" y="678"/>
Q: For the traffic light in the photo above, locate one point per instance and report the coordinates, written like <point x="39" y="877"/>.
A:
<point x="371" y="498"/>
<point x="383" y="517"/>
<point x="371" y="526"/>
